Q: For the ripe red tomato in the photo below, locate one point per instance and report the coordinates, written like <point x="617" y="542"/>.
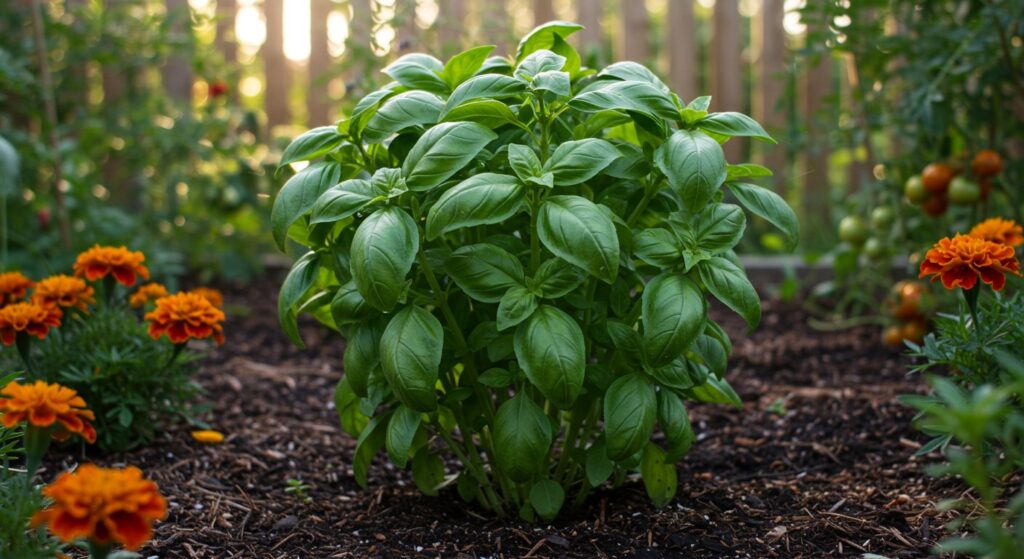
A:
<point x="892" y="336"/>
<point x="914" y="331"/>
<point x="936" y="177"/>
<point x="935" y="205"/>
<point x="987" y="163"/>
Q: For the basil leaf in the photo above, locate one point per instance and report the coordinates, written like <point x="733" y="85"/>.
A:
<point x="298" y="196"/>
<point x="576" y="230"/>
<point x="718" y="228"/>
<point x="362" y="355"/>
<point x="479" y="200"/>
<point x="383" y="250"/>
<point x="489" y="86"/>
<point x="295" y="286"/>
<point x="484" y="271"/>
<point x="658" y="247"/>
<point x="734" y="124"/>
<point x="401" y="431"/>
<point x="694" y="164"/>
<point x="556" y="278"/>
<point x="578" y="161"/>
<point x="549" y="347"/>
<point x="343" y="200"/>
<point x="522" y="435"/>
<point x="729" y="284"/>
<point x="543" y="37"/>
<point x="410" y="354"/>
<point x="675" y="424"/>
<point x="443" y="151"/>
<point x="659" y="475"/>
<point x="673" y="313"/>
<point x="770" y="206"/>
<point x="405" y="110"/>
<point x="312" y="144"/>
<point x="515" y="306"/>
<point x="462" y="66"/>
<point x="629" y="411"/>
<point x="418" y="71"/>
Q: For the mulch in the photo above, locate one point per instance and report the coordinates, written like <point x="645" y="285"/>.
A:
<point x="819" y="463"/>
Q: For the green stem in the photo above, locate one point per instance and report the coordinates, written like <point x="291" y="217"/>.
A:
<point x="98" y="551"/>
<point x="37" y="441"/>
<point x="649" y="192"/>
<point x="971" y="296"/>
<point x="534" y="238"/>
<point x="488" y="496"/>
<point x="568" y="444"/>
<point x="23" y="342"/>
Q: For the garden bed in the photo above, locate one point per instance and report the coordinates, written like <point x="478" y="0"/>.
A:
<point x="818" y="464"/>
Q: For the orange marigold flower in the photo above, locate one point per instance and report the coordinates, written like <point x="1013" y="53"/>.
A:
<point x="999" y="230"/>
<point x="13" y="286"/>
<point x="147" y="293"/>
<point x="43" y="404"/>
<point x="211" y="295"/>
<point x="103" y="505"/>
<point x="960" y="261"/>
<point x="32" y="318"/>
<point x="183" y="316"/>
<point x="98" y="262"/>
<point x="64" y="291"/>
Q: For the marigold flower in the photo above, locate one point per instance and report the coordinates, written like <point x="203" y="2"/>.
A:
<point x="98" y="262"/>
<point x="103" y="505"/>
<point x="207" y="436"/>
<point x="185" y="316"/>
<point x="1000" y="231"/>
<point x="64" y="291"/>
<point x="13" y="287"/>
<point x="42" y="404"/>
<point x="147" y="293"/>
<point x="32" y="318"/>
<point x="210" y="294"/>
<point x="962" y="260"/>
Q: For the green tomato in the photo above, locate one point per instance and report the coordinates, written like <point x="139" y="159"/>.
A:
<point x="914" y="190"/>
<point x="964" y="192"/>
<point x="882" y="217"/>
<point x="852" y="230"/>
<point x="874" y="249"/>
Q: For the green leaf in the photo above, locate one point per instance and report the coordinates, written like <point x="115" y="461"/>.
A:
<point x="578" y="161"/>
<point x="675" y="424"/>
<point x="443" y="151"/>
<point x="546" y="497"/>
<point x="298" y="196"/>
<point x="418" y="71"/>
<point x="770" y="206"/>
<point x="746" y="170"/>
<point x="348" y="306"/>
<point x="489" y="86"/>
<point x="312" y="144"/>
<point x="484" y="271"/>
<point x="694" y="164"/>
<point x="490" y="113"/>
<point x="362" y="355"/>
<point x="562" y="47"/>
<point x="658" y="247"/>
<point x="427" y="472"/>
<point x="537" y="63"/>
<point x="401" y="431"/>
<point x="496" y="378"/>
<point x="718" y="228"/>
<point x="549" y="347"/>
<point x="700" y="103"/>
<point x="410" y="354"/>
<point x="716" y="391"/>
<point x="626" y="339"/>
<point x="729" y="284"/>
<point x="524" y="162"/>
<point x="632" y="71"/>
<point x="370" y="442"/>
<point x="659" y="477"/>
<point x="462" y="66"/>
<point x="515" y="306"/>
<point x="405" y="110"/>
<point x="346" y="402"/>
<point x="629" y="411"/>
<point x="673" y="312"/>
<point x="296" y="284"/>
<point x="556" y="278"/>
<point x="641" y="97"/>
<point x="479" y="200"/>
<point x="522" y="435"/>
<point x="543" y="37"/>
<point x="712" y="353"/>
<point x="734" y="124"/>
<point x="598" y="467"/>
<point x="555" y="81"/>
<point x="343" y="200"/>
<point x="576" y="230"/>
<point x="383" y="250"/>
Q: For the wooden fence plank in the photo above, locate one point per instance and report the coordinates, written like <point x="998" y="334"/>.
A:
<point x="769" y="110"/>
<point x="543" y="11"/>
<point x="177" y="71"/>
<point x="682" y="48"/>
<point x="589" y="14"/>
<point x="727" y="66"/>
<point x="318" y="105"/>
<point x="818" y="84"/>
<point x="276" y="67"/>
<point x="636" y="31"/>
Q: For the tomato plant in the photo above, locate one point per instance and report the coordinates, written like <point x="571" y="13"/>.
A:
<point x="520" y="252"/>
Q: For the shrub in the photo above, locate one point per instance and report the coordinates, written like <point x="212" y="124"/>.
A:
<point x="520" y="252"/>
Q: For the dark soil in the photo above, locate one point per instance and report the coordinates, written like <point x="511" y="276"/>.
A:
<point x="817" y="464"/>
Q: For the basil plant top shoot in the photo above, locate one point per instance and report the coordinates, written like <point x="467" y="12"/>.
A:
<point x="519" y="252"/>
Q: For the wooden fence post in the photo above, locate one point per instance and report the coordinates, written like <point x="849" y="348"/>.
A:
<point x="276" y="68"/>
<point x="543" y="11"/>
<point x="636" y="31"/>
<point x="589" y="14"/>
<point x="727" y="66"/>
<point x="682" y="48"/>
<point x="817" y="85"/>
<point x="177" y="71"/>
<point x="772" y="84"/>
<point x="318" y="104"/>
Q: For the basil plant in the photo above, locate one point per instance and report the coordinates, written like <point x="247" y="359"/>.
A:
<point x="520" y="253"/>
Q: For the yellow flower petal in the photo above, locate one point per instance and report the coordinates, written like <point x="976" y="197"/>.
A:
<point x="208" y="437"/>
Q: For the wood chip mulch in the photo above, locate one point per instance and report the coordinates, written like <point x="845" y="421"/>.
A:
<point x="818" y="463"/>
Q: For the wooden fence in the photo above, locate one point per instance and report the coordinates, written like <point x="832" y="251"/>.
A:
<point x="741" y="52"/>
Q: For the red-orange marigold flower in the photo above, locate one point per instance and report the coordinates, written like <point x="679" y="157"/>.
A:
<point x="999" y="230"/>
<point x="43" y="404"/>
<point x="103" y="505"/>
<point x="32" y="318"/>
<point x="962" y="260"/>
<point x="64" y="291"/>
<point x="13" y="286"/>
<point x="210" y="294"/>
<point x="147" y="293"/>
<point x="98" y="262"/>
<point x="183" y="316"/>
